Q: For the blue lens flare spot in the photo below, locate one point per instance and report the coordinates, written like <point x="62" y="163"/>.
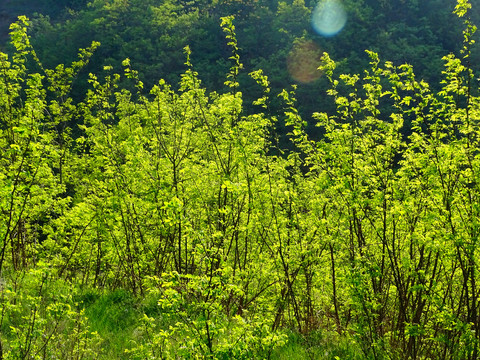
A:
<point x="329" y="17"/>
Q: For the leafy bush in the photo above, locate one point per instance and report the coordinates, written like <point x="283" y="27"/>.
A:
<point x="183" y="200"/>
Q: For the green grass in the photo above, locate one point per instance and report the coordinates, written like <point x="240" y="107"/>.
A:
<point x="114" y="316"/>
<point x="318" y="345"/>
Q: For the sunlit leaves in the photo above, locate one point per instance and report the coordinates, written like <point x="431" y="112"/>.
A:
<point x="180" y="195"/>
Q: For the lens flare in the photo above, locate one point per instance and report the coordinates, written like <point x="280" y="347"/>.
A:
<point x="303" y="61"/>
<point x="329" y="17"/>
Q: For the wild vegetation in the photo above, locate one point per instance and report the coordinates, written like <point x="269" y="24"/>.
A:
<point x="152" y="34"/>
<point x="166" y="222"/>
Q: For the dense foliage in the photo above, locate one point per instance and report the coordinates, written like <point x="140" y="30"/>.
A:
<point x="152" y="34"/>
<point x="178" y="204"/>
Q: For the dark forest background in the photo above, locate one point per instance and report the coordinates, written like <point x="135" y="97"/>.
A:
<point x="153" y="34"/>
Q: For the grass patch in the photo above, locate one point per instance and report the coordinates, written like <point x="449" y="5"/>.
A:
<point x="114" y="315"/>
<point x="318" y="345"/>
